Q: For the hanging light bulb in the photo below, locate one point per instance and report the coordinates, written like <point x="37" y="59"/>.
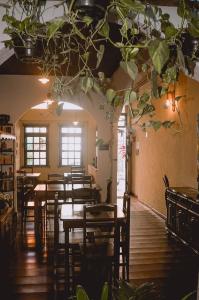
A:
<point x="75" y="123"/>
<point x="44" y="80"/>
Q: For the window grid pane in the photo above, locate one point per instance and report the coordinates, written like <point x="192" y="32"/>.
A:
<point x="71" y="146"/>
<point x="35" y="146"/>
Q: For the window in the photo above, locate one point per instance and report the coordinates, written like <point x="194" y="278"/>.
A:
<point x="35" y="141"/>
<point x="71" y="146"/>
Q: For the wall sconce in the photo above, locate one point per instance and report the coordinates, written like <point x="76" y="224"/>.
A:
<point x="170" y="102"/>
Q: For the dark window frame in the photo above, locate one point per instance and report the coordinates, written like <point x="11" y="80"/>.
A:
<point x="36" y="134"/>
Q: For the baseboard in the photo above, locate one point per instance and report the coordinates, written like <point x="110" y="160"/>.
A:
<point x="153" y="209"/>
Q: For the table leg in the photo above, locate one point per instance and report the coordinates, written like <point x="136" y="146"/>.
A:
<point x="67" y="269"/>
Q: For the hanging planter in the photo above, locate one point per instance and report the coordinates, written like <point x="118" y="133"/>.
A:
<point x="28" y="50"/>
<point x="93" y="8"/>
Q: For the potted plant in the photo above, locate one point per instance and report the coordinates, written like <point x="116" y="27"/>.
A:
<point x="75" y="45"/>
<point x="26" y="32"/>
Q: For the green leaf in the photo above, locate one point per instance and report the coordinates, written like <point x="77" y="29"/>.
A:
<point x="170" y="74"/>
<point x="193" y="27"/>
<point x="134" y="5"/>
<point x="87" y="20"/>
<point x="110" y="95"/>
<point x="81" y="294"/>
<point x="188" y="296"/>
<point x="78" y="32"/>
<point x="170" y="31"/>
<point x="144" y="67"/>
<point x="54" y="26"/>
<point x="155" y="92"/>
<point x="116" y="101"/>
<point x="104" y="30"/>
<point x="156" y="125"/>
<point x="164" y="90"/>
<point x="180" y="57"/>
<point x="86" y="84"/>
<point x="130" y="68"/>
<point x="96" y="87"/>
<point x="159" y="53"/>
<point x="130" y="96"/>
<point x="100" y="54"/>
<point x="145" y="97"/>
<point x="167" y="124"/>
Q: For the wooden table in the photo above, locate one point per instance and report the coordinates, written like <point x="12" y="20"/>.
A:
<point x="29" y="175"/>
<point x="72" y="217"/>
<point x="41" y="189"/>
<point x="59" y="187"/>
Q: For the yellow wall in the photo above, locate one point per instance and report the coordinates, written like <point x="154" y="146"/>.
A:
<point x="167" y="151"/>
<point x="50" y="118"/>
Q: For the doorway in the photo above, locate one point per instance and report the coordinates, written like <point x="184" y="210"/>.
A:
<point x="121" y="155"/>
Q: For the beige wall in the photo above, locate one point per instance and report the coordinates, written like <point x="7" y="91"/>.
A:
<point x="19" y="93"/>
<point x="167" y="151"/>
<point x="53" y="121"/>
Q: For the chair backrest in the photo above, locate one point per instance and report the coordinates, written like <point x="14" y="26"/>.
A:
<point x="77" y="169"/>
<point x="108" y="192"/>
<point x="85" y="180"/>
<point x="55" y="176"/>
<point x="83" y="195"/>
<point x="51" y="194"/>
<point x="100" y="227"/>
<point x="166" y="181"/>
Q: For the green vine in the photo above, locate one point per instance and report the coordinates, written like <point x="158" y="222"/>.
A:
<point x="79" y="39"/>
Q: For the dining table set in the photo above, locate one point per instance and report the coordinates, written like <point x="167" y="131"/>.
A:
<point x="73" y="205"/>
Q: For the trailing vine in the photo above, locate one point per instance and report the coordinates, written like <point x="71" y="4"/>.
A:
<point x="79" y="38"/>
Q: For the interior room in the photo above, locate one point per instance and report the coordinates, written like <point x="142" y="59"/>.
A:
<point x="99" y="139"/>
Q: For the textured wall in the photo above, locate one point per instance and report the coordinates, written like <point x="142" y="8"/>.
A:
<point x="167" y="151"/>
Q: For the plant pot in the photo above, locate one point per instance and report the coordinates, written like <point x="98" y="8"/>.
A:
<point x="92" y="8"/>
<point x="27" y="50"/>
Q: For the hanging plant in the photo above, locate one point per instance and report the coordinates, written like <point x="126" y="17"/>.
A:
<point x="74" y="46"/>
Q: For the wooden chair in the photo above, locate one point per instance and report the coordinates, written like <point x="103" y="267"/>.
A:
<point x="85" y="181"/>
<point x="125" y="238"/>
<point x="50" y="199"/>
<point x="28" y="208"/>
<point x="75" y="238"/>
<point x="83" y="195"/>
<point x="55" y="176"/>
<point x="100" y="249"/>
<point x="77" y="169"/>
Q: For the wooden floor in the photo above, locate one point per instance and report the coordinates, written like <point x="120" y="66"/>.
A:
<point x="26" y="273"/>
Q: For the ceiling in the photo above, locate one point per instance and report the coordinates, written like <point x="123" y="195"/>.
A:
<point x="110" y="62"/>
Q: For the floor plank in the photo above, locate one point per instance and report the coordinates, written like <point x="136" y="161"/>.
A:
<point x="27" y="273"/>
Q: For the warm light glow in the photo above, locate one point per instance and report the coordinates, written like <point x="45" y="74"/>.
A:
<point x="170" y="102"/>
<point x="43" y="80"/>
<point x="48" y="101"/>
<point x="167" y="104"/>
<point x="75" y="123"/>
